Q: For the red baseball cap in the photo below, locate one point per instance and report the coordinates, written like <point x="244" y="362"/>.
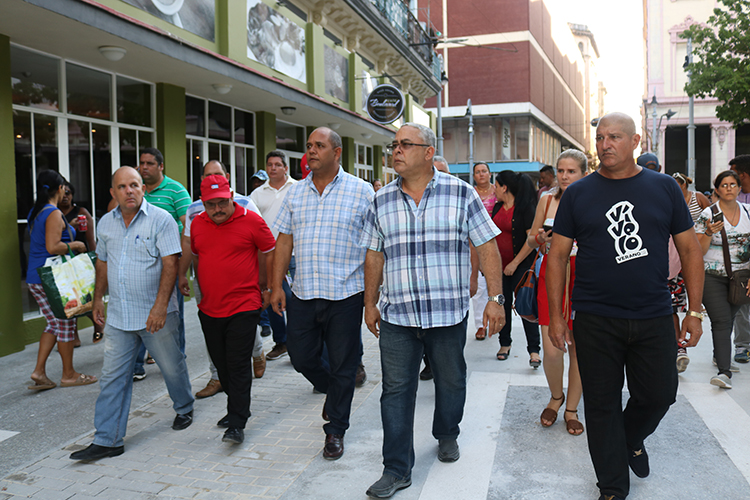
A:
<point x="215" y="186"/>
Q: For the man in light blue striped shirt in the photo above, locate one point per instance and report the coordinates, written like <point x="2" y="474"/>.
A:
<point x="321" y="218"/>
<point x="418" y="229"/>
<point x="137" y="253"/>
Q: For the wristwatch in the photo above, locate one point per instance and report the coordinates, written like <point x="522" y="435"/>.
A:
<point x="695" y="314"/>
<point x="499" y="299"/>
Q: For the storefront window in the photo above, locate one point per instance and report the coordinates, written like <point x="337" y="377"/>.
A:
<point x="133" y="102"/>
<point x="219" y="122"/>
<point x="88" y="92"/>
<point x="34" y="79"/>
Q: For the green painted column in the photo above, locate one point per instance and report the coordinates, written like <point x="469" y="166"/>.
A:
<point x="316" y="78"/>
<point x="12" y="337"/>
<point x="355" y="86"/>
<point x="231" y="29"/>
<point x="170" y="130"/>
<point x="265" y="124"/>
<point x="377" y="159"/>
<point x="349" y="154"/>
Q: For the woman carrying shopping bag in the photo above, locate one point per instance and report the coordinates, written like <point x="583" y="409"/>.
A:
<point x="51" y="235"/>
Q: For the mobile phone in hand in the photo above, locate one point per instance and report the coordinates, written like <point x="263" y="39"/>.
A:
<point x="718" y="217"/>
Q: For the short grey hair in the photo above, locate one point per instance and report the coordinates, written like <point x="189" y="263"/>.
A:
<point x="438" y="158"/>
<point x="428" y="136"/>
<point x="576" y="155"/>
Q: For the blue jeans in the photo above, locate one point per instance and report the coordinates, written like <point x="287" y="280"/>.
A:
<point x="141" y="357"/>
<point x="401" y="350"/>
<point x="608" y="349"/>
<point x="338" y="323"/>
<point x="116" y="382"/>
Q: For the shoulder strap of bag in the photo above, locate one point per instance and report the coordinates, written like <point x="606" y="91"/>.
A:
<point x="546" y="208"/>
<point x="31" y="223"/>
<point x="724" y="246"/>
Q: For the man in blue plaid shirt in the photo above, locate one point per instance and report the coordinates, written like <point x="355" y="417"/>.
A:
<point x="322" y="218"/>
<point x="417" y="234"/>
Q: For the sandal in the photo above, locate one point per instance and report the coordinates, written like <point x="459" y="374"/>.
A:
<point x="535" y="363"/>
<point x="549" y="414"/>
<point x="150" y="360"/>
<point x="81" y="380"/>
<point x="575" y="427"/>
<point x="42" y="385"/>
<point x="502" y="356"/>
<point x="481" y="334"/>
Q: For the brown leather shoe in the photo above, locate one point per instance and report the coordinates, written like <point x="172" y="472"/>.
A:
<point x="334" y="447"/>
<point x="361" y="377"/>
<point x="259" y="365"/>
<point x="481" y="334"/>
<point x="212" y="387"/>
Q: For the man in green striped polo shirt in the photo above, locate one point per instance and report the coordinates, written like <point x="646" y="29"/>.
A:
<point x="171" y="196"/>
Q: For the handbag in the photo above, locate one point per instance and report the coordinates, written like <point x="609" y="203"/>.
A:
<point x="68" y="282"/>
<point x="525" y="302"/>
<point x="737" y="293"/>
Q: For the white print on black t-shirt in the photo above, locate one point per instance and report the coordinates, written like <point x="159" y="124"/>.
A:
<point x="624" y="230"/>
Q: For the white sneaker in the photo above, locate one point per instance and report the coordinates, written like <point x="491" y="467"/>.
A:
<point x="683" y="360"/>
<point x="722" y="381"/>
<point x="733" y="367"/>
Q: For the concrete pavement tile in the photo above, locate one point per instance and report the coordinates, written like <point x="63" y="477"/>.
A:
<point x="203" y="474"/>
<point x="274" y="492"/>
<point x="58" y="484"/>
<point x="143" y="476"/>
<point x="179" y="492"/>
<point x="87" y="489"/>
<point x="198" y="465"/>
<point x="121" y="484"/>
<point x="288" y="467"/>
<point x="176" y="480"/>
<point x="169" y="470"/>
<point x="229" y="469"/>
<point x="83" y="496"/>
<point x="45" y="494"/>
<point x="275" y="473"/>
<point x="216" y="495"/>
<point x="205" y="484"/>
<point x="248" y="489"/>
<point x="275" y="482"/>
<point x="19" y="489"/>
<point x="311" y="449"/>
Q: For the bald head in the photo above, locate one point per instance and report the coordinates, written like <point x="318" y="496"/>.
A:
<point x="621" y="120"/>
<point x="127" y="190"/>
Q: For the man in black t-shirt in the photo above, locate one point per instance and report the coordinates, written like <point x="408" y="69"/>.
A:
<point x="621" y="218"/>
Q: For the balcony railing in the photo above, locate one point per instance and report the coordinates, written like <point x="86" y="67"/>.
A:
<point x="404" y="22"/>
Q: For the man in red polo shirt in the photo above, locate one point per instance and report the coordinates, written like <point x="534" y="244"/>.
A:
<point x="232" y="248"/>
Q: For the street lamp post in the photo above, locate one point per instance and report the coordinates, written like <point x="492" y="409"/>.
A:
<point x="654" y="115"/>
<point x="471" y="139"/>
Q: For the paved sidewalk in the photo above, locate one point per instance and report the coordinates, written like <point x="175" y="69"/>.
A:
<point x="700" y="450"/>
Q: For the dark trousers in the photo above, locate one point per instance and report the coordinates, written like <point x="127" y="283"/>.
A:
<point x="608" y="349"/>
<point x="530" y="329"/>
<point x="230" y="345"/>
<point x="338" y="323"/>
<point x="722" y="315"/>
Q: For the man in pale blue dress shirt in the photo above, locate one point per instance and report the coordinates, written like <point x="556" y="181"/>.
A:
<point x="137" y="254"/>
<point x="322" y="218"/>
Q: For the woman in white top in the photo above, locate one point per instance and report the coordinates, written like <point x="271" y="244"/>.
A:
<point x="736" y="223"/>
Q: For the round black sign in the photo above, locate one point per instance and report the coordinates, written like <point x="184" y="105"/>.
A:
<point x="385" y="104"/>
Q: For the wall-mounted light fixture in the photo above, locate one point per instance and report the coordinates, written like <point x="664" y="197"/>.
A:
<point x="367" y="136"/>
<point x="288" y="110"/>
<point x="222" y="88"/>
<point x="334" y="126"/>
<point x="112" y="53"/>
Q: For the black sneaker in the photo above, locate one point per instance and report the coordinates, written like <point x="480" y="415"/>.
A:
<point x="224" y="422"/>
<point x="361" y="377"/>
<point x="234" y="435"/>
<point x="609" y="497"/>
<point x="387" y="485"/>
<point x="638" y="461"/>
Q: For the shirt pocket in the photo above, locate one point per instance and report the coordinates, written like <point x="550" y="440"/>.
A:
<point x="145" y="249"/>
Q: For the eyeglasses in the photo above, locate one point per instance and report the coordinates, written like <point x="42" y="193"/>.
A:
<point x="729" y="186"/>
<point x="405" y="146"/>
<point x="210" y="205"/>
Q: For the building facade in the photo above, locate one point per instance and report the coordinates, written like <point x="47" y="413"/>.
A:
<point x="716" y="142"/>
<point x="85" y="85"/>
<point x="525" y="76"/>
